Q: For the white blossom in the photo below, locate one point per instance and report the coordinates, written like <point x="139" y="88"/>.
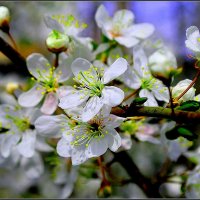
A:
<point x="48" y="79"/>
<point x="139" y="77"/>
<point x="121" y="27"/>
<point x="93" y="89"/>
<point x="17" y="130"/>
<point x="162" y="63"/>
<point x="193" y="40"/>
<point x="181" y="87"/>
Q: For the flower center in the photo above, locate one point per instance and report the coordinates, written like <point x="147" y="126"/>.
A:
<point x="148" y="83"/>
<point x="22" y="124"/>
<point x="116" y="31"/>
<point x="90" y="81"/>
<point x="48" y="82"/>
<point x="85" y="132"/>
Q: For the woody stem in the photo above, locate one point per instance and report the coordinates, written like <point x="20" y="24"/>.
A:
<point x="191" y="84"/>
<point x="100" y="162"/>
<point x="130" y="95"/>
<point x="171" y="101"/>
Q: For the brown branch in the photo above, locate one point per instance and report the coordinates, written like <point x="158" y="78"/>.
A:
<point x="12" y="54"/>
<point x="160" y="112"/>
<point x="151" y="190"/>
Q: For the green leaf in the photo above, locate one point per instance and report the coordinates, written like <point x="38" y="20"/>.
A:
<point x="139" y="101"/>
<point x="190" y="105"/>
<point x="179" y="131"/>
<point x="104" y="38"/>
<point x="186" y="133"/>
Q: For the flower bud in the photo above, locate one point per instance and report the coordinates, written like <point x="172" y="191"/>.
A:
<point x="180" y="88"/>
<point x="4" y="19"/>
<point x="105" y="190"/>
<point x="57" y="42"/>
<point x="11" y="87"/>
<point x="163" y="65"/>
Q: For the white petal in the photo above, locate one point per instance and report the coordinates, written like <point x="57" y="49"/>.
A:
<point x="142" y="31"/>
<point x="127" y="41"/>
<point x="34" y="114"/>
<point x="112" y="96"/>
<point x="115" y="70"/>
<point x="63" y="148"/>
<point x="113" y="121"/>
<point x="53" y="24"/>
<point x="102" y="47"/>
<point x="101" y="16"/>
<point x="33" y="167"/>
<point x="124" y="17"/>
<point x="78" y="155"/>
<point x="50" y="103"/>
<point x="105" y="111"/>
<point x="38" y="65"/>
<point x="92" y="107"/>
<point x="114" y="141"/>
<point x="140" y="62"/>
<point x="151" y="99"/>
<point x="192" y="46"/>
<point x="97" y="147"/>
<point x="8" y="141"/>
<point x="32" y="97"/>
<point x="192" y="34"/>
<point x="80" y="64"/>
<point x="64" y="91"/>
<point x="160" y="91"/>
<point x="131" y="79"/>
<point x="50" y="126"/>
<point x="73" y="99"/>
<point x="27" y="146"/>
<point x="67" y="190"/>
<point x="64" y="71"/>
<point x="41" y="145"/>
<point x="114" y="54"/>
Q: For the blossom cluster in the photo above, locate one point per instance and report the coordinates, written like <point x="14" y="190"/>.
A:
<point x="68" y="106"/>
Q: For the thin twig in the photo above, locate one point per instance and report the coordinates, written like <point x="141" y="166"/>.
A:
<point x="171" y="101"/>
<point x="191" y="84"/>
<point x="130" y="95"/>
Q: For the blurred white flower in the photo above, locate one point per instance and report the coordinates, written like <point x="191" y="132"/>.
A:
<point x="17" y="130"/>
<point x="193" y="40"/>
<point x="121" y="27"/>
<point x="181" y="87"/>
<point x="162" y="63"/>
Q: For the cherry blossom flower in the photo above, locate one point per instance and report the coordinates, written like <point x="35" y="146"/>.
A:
<point x="93" y="89"/>
<point x="181" y="87"/>
<point x="17" y="130"/>
<point x="139" y="77"/>
<point x="121" y="27"/>
<point x="163" y="64"/>
<point x="193" y="40"/>
<point x="70" y="26"/>
<point x="83" y="140"/>
<point x="47" y="86"/>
